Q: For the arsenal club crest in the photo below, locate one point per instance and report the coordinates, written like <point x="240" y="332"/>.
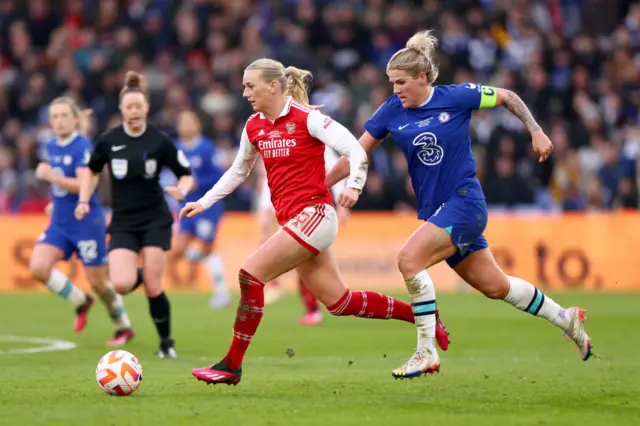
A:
<point x="291" y="127"/>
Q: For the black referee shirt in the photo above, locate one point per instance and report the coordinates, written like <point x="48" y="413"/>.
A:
<point x="135" y="163"/>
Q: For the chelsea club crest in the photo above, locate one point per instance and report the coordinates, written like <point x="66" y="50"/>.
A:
<point x="444" y="117"/>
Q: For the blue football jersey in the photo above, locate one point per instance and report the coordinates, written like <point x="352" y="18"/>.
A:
<point x="434" y="138"/>
<point x="64" y="159"/>
<point x="204" y="166"/>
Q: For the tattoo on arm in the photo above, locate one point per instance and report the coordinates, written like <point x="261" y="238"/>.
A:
<point x="518" y="108"/>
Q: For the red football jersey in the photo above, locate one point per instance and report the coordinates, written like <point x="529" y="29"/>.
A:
<point x="293" y="158"/>
<point x="293" y="149"/>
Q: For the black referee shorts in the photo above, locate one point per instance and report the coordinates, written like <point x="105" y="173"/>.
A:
<point x="136" y="240"/>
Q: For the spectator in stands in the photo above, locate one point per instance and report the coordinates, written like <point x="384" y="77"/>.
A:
<point x="576" y="64"/>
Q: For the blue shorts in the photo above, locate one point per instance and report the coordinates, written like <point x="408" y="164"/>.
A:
<point x="204" y="226"/>
<point x="465" y="220"/>
<point x="89" y="241"/>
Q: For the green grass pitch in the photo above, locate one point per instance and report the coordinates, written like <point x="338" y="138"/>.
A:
<point x="503" y="368"/>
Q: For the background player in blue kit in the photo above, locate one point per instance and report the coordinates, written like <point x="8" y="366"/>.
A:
<point x="65" y="235"/>
<point x="430" y="124"/>
<point x="201" y="153"/>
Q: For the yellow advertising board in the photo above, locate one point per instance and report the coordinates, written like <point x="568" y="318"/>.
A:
<point x="568" y="252"/>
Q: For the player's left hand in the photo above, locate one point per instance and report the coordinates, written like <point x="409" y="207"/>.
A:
<point x="349" y="197"/>
<point x="48" y="210"/>
<point x="175" y="192"/>
<point x="43" y="171"/>
<point x="541" y="145"/>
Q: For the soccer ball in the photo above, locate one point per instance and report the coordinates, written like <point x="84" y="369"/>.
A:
<point x="119" y="373"/>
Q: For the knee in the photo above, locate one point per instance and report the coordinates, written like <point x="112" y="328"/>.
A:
<point x="408" y="263"/>
<point x="251" y="291"/>
<point x="207" y="249"/>
<point x="251" y="271"/>
<point x="95" y="277"/>
<point x="178" y="251"/>
<point x="123" y="281"/>
<point x="40" y="270"/>
<point x="496" y="290"/>
<point x="152" y="283"/>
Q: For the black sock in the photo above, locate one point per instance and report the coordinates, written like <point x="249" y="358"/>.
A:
<point x="139" y="280"/>
<point x="160" y="311"/>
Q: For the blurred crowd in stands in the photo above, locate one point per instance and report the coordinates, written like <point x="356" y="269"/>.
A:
<point x="574" y="62"/>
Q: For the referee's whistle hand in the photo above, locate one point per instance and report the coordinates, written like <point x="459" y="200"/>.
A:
<point x="191" y="210"/>
<point x="174" y="192"/>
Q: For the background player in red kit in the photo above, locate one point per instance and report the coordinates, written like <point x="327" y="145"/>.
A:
<point x="290" y="136"/>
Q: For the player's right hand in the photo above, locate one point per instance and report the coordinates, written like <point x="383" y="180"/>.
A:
<point x="48" y="210"/>
<point x="191" y="210"/>
<point x="349" y="197"/>
<point x="82" y="210"/>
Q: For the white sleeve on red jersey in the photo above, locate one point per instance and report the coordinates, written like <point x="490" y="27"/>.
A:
<point x="342" y="140"/>
<point x="331" y="157"/>
<point x="233" y="178"/>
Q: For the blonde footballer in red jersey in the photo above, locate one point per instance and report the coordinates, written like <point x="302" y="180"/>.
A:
<point x="267" y="222"/>
<point x="291" y="136"/>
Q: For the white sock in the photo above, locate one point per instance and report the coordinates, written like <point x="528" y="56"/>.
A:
<point x="193" y="254"/>
<point x="115" y="305"/>
<point x="215" y="265"/>
<point x="422" y="295"/>
<point x="59" y="284"/>
<point x="526" y="297"/>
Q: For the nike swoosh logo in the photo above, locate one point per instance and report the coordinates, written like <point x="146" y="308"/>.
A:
<point x="402" y="127"/>
<point x="118" y="148"/>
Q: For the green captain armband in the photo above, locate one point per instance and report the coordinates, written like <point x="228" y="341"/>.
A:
<point x="488" y="97"/>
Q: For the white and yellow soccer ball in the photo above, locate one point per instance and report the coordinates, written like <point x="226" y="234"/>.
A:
<point x="119" y="373"/>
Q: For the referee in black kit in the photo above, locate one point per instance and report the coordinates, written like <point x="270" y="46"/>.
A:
<point x="141" y="221"/>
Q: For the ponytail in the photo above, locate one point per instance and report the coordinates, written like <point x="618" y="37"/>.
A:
<point x="296" y="85"/>
<point x="417" y="56"/>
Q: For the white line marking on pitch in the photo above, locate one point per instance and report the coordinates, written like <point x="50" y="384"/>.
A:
<point x="47" y="345"/>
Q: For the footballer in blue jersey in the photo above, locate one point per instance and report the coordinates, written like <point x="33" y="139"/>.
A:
<point x="202" y="155"/>
<point x="430" y="125"/>
<point x="65" y="236"/>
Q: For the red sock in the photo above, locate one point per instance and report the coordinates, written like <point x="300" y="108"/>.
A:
<point x="309" y="300"/>
<point x="369" y="304"/>
<point x="248" y="318"/>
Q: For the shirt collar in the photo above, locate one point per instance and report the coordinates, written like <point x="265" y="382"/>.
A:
<point x="285" y="110"/>
<point x="193" y="143"/>
<point x="433" y="90"/>
<point x="129" y="133"/>
<point x="67" y="141"/>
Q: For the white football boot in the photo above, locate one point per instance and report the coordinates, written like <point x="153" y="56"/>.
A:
<point x="576" y="332"/>
<point x="423" y="361"/>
